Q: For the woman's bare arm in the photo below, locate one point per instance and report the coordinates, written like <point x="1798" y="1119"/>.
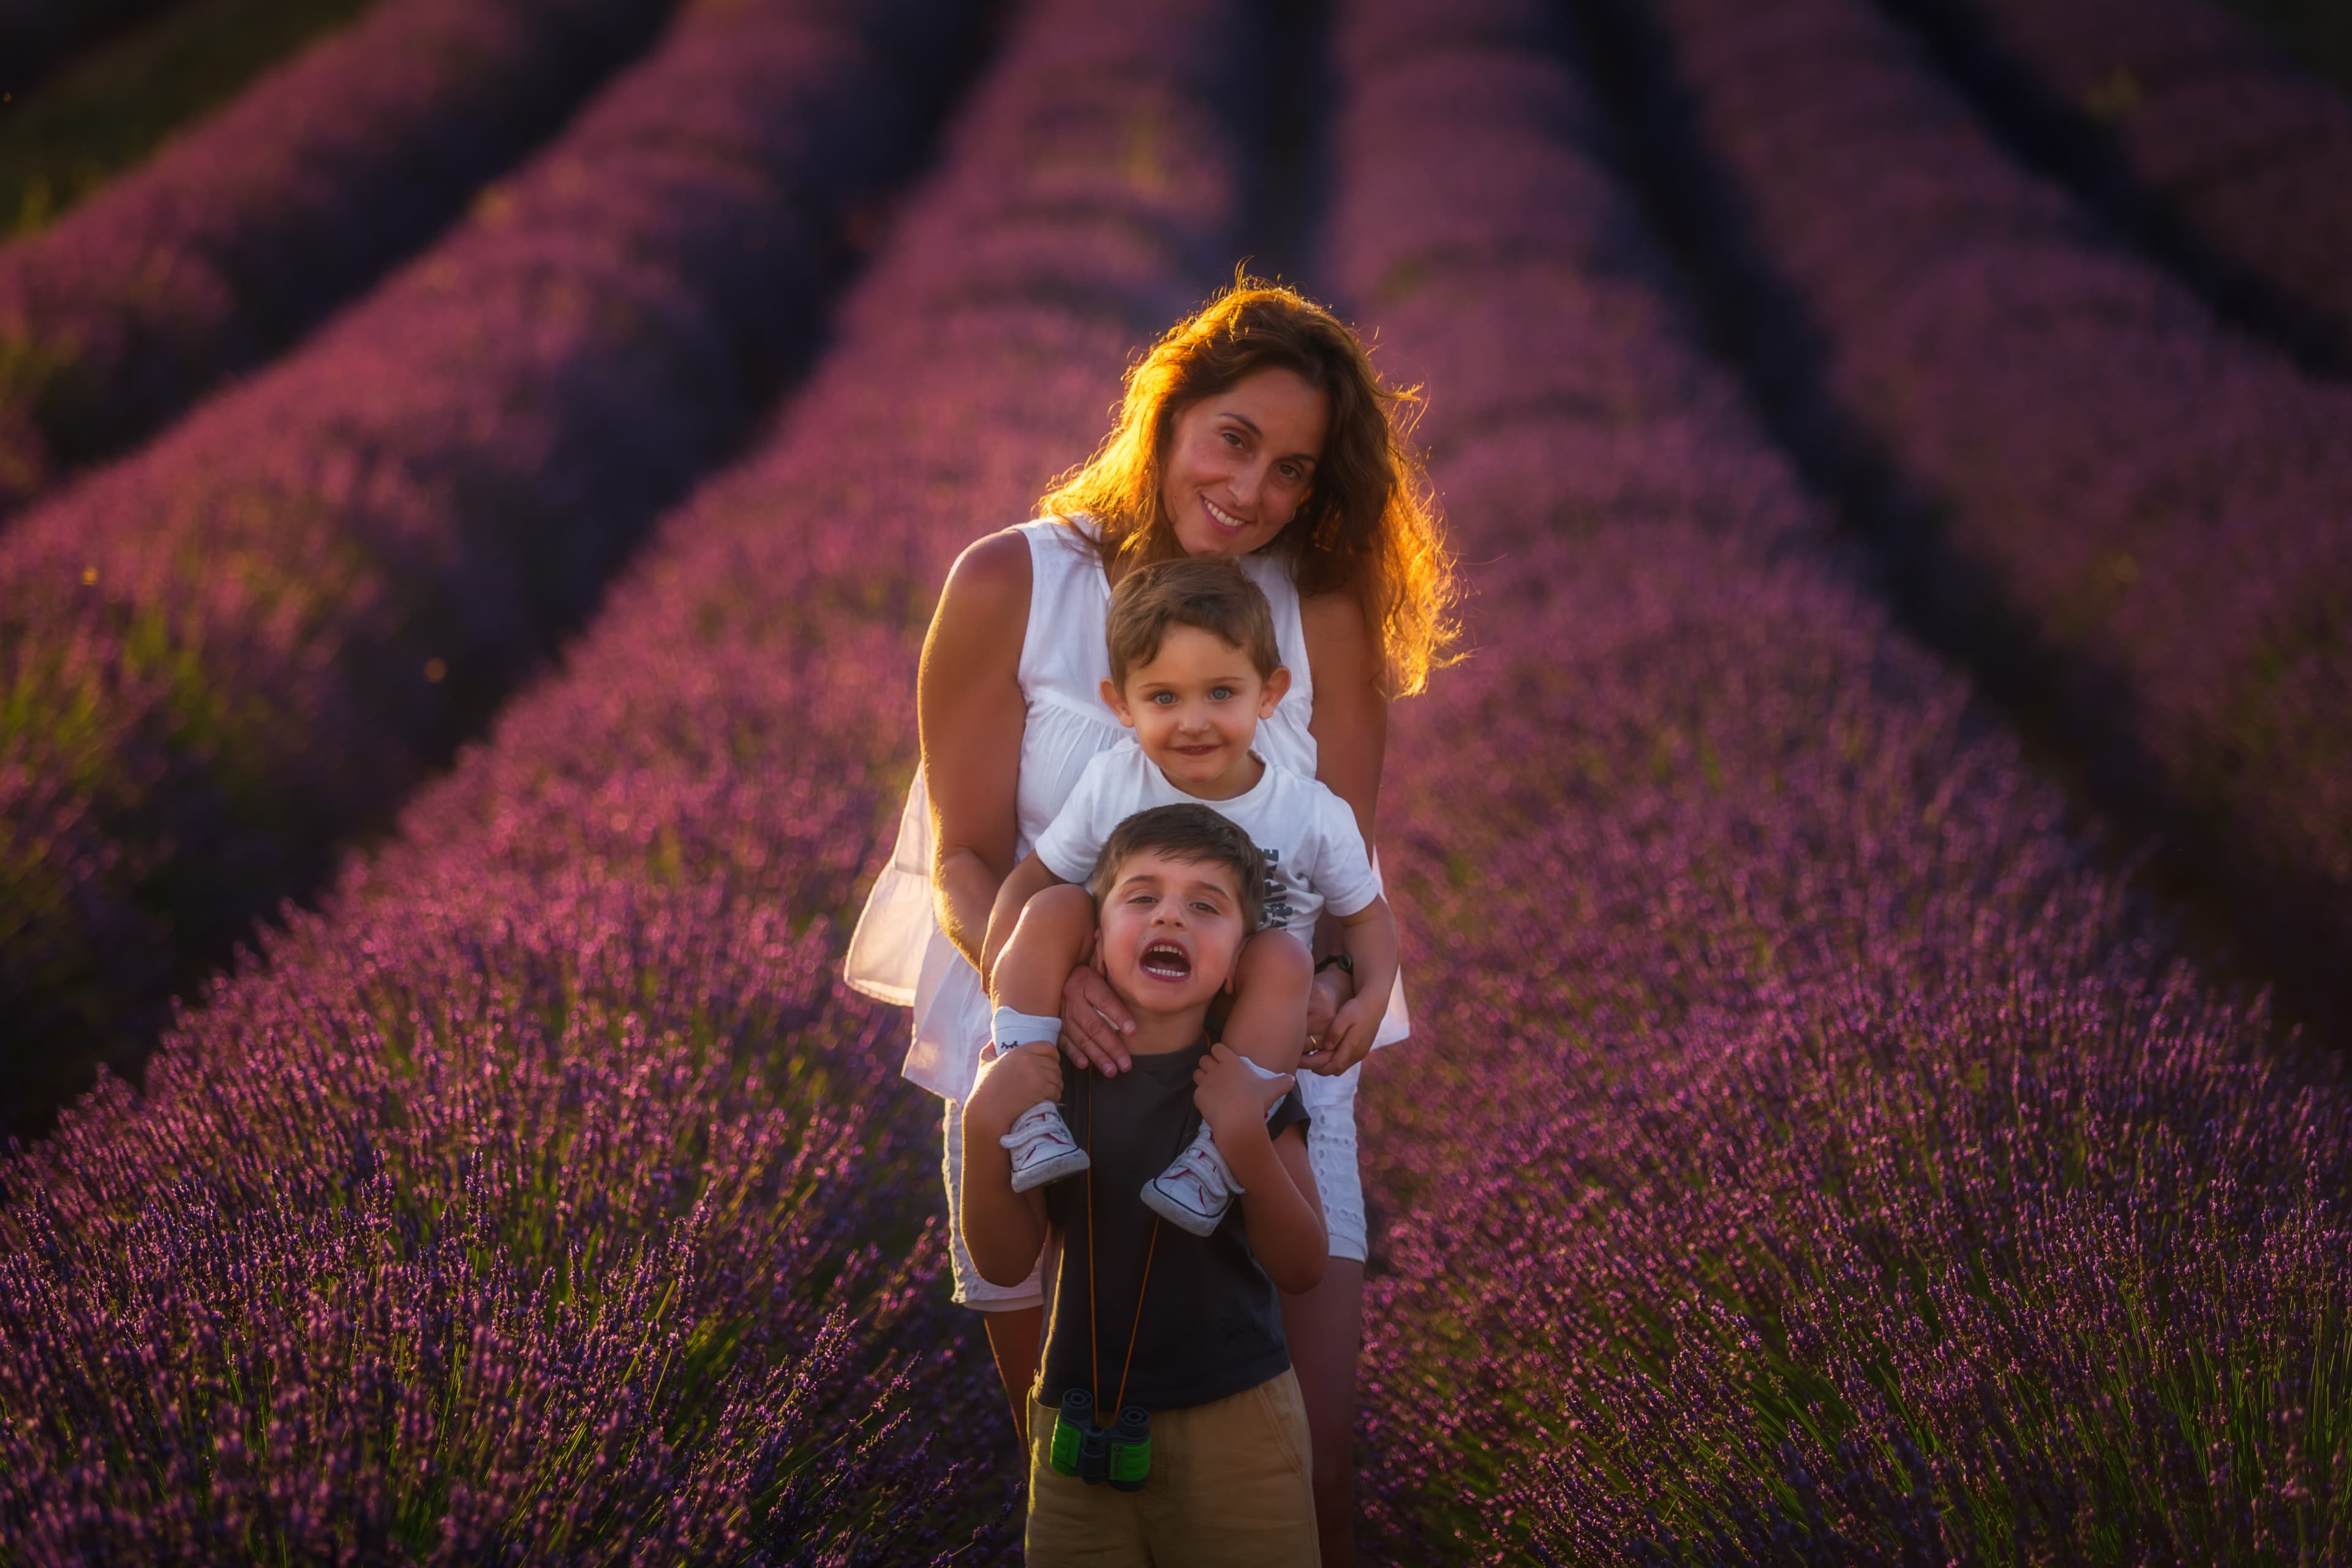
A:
<point x="970" y="710"/>
<point x="1350" y="722"/>
<point x="1351" y="726"/>
<point x="1027" y="879"/>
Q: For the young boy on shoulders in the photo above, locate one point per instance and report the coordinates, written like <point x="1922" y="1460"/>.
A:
<point x="1171" y="1338"/>
<point x="1194" y="667"/>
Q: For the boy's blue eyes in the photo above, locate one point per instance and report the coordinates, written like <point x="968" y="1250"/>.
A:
<point x="1217" y="693"/>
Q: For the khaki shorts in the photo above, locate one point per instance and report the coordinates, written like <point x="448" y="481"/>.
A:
<point x="1229" y="1485"/>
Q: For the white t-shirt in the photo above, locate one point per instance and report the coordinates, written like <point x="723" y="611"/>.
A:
<point x="1314" y="855"/>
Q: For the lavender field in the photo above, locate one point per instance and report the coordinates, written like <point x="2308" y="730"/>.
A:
<point x="1871" y="892"/>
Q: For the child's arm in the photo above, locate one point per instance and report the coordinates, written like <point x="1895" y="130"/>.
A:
<point x="1027" y="879"/>
<point x="1281" y="1212"/>
<point x="1004" y="1230"/>
<point x="1369" y="937"/>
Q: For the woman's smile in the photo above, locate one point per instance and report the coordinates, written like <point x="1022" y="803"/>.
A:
<point x="1240" y="462"/>
<point x="1220" y="518"/>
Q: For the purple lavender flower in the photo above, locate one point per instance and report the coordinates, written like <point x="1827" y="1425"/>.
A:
<point x="2137" y="520"/>
<point x="547" y="1197"/>
<point x="2186" y="122"/>
<point x="247" y="229"/>
<point x="231" y="651"/>
<point x="1808" y="1152"/>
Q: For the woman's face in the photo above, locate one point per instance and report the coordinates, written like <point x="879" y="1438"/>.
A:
<point x="1240" y="462"/>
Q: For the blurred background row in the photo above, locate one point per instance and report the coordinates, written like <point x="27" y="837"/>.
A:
<point x="473" y="477"/>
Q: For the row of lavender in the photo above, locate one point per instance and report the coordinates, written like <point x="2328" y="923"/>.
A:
<point x="2137" y="520"/>
<point x="226" y="656"/>
<point x="246" y="230"/>
<point x="1809" y="1153"/>
<point x="2186" y="123"/>
<point x="536" y="1147"/>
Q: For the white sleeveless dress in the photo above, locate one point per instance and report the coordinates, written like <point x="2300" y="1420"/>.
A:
<point x="899" y="955"/>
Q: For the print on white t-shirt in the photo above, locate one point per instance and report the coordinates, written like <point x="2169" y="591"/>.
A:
<point x="1313" y="854"/>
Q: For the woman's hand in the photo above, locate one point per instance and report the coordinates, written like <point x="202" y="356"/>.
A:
<point x="1330" y="992"/>
<point x="1095" y="1022"/>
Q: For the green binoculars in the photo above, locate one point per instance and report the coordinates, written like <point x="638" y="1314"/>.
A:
<point x="1121" y="1455"/>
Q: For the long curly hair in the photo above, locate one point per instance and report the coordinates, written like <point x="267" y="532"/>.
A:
<point x="1368" y="525"/>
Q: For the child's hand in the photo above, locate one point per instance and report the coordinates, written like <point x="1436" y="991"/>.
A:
<point x="1010" y="1085"/>
<point x="1348" y="1039"/>
<point x="1230" y="1093"/>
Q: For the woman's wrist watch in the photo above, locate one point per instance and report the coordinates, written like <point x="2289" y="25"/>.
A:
<point x="1345" y="964"/>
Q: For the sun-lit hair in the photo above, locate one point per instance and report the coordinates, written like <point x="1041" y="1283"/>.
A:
<point x="1211" y="592"/>
<point x="1368" y="525"/>
<point x="1194" y="835"/>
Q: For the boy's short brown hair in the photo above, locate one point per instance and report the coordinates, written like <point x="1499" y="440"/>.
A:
<point x="1192" y="834"/>
<point x="1210" y="592"/>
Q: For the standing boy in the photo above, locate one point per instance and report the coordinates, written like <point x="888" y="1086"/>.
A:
<point x="1139" y="1313"/>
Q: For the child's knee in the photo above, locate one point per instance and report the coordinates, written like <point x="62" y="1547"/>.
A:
<point x="1051" y="938"/>
<point x="1275" y="963"/>
<point x="1063" y="914"/>
<point x="1059" y="919"/>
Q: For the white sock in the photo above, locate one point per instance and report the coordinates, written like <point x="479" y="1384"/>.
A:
<point x="1009" y="1028"/>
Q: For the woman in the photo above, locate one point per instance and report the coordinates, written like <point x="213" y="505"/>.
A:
<point x="1256" y="428"/>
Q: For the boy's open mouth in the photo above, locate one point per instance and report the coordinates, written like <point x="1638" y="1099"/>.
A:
<point x="1166" y="961"/>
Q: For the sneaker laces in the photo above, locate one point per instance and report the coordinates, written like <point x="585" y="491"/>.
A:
<point x="1202" y="1161"/>
<point x="1041" y="1122"/>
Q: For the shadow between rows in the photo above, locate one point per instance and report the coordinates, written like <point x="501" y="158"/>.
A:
<point x="57" y="1059"/>
<point x="2251" y="924"/>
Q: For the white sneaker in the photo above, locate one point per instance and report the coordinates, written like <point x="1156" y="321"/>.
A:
<point x="1194" y="1192"/>
<point x="1043" y="1149"/>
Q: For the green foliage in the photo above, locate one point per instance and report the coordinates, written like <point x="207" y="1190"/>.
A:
<point x="113" y="109"/>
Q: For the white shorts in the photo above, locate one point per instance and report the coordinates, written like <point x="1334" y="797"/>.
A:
<point x="1331" y="1154"/>
<point x="970" y="1289"/>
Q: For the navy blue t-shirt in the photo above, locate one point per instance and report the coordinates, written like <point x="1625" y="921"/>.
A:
<point x="1211" y="1323"/>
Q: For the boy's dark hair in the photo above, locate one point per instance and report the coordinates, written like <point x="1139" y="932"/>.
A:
<point x="1210" y="592"/>
<point x="1192" y="834"/>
